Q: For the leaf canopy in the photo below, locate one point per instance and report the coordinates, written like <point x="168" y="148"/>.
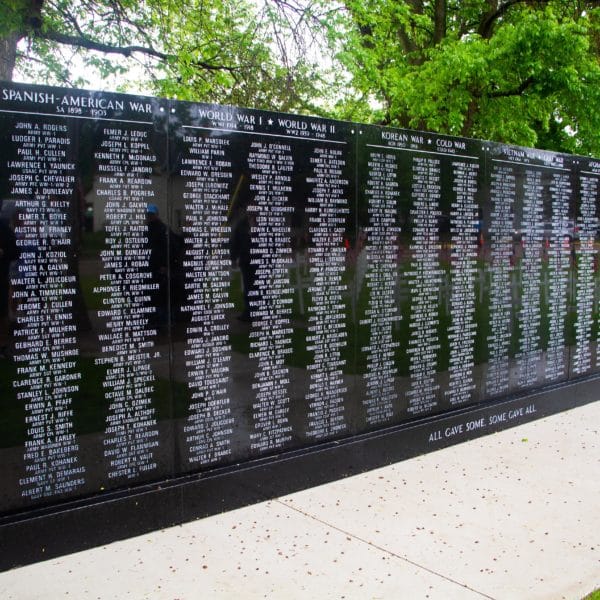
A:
<point x="517" y="71"/>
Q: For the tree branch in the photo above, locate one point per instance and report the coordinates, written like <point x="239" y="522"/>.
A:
<point x="69" y="18"/>
<point x="127" y="51"/>
<point x="514" y="92"/>
<point x="89" y="44"/>
<point x="473" y="107"/>
<point x="34" y="16"/>
<point x="486" y="27"/>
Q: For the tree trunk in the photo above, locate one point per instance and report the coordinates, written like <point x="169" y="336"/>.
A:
<point x="439" y="32"/>
<point x="8" y="55"/>
<point x="24" y="16"/>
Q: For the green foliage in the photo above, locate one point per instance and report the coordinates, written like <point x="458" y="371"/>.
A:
<point x="515" y="71"/>
<point x="528" y="75"/>
<point x="222" y="51"/>
<point x="227" y="35"/>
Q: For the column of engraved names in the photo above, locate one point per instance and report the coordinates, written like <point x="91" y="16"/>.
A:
<point x="271" y="166"/>
<point x="382" y="254"/>
<point x="558" y="269"/>
<point x="327" y="337"/>
<point x="587" y="222"/>
<point x="207" y="175"/>
<point x="424" y="282"/>
<point x="531" y="265"/>
<point x="124" y="162"/>
<point x="42" y="179"/>
<point x="463" y="228"/>
<point x="503" y="192"/>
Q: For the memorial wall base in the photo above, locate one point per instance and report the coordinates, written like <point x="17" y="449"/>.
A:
<point x="72" y="527"/>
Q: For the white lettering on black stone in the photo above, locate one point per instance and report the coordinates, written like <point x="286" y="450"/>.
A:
<point x="503" y="192"/>
<point x="587" y="223"/>
<point x="327" y="213"/>
<point x="209" y="428"/>
<point x="42" y="182"/>
<point x="424" y="281"/>
<point x="529" y="355"/>
<point x="463" y="227"/>
<point x="559" y="252"/>
<point x="271" y="166"/>
<point x="382" y="312"/>
<point x="124" y="161"/>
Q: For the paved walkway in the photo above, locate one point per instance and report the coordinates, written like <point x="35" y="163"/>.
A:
<point x="515" y="515"/>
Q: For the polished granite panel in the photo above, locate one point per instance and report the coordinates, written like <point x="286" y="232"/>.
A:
<point x="244" y="301"/>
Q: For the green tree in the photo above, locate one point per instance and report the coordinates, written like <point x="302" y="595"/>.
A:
<point x="517" y="71"/>
<point x="226" y="51"/>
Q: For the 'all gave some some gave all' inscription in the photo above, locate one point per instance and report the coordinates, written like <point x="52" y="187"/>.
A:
<point x="474" y="424"/>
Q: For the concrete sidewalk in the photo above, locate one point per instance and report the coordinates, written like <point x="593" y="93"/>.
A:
<point x="515" y="515"/>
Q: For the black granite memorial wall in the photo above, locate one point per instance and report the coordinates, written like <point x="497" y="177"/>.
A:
<point x="203" y="306"/>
